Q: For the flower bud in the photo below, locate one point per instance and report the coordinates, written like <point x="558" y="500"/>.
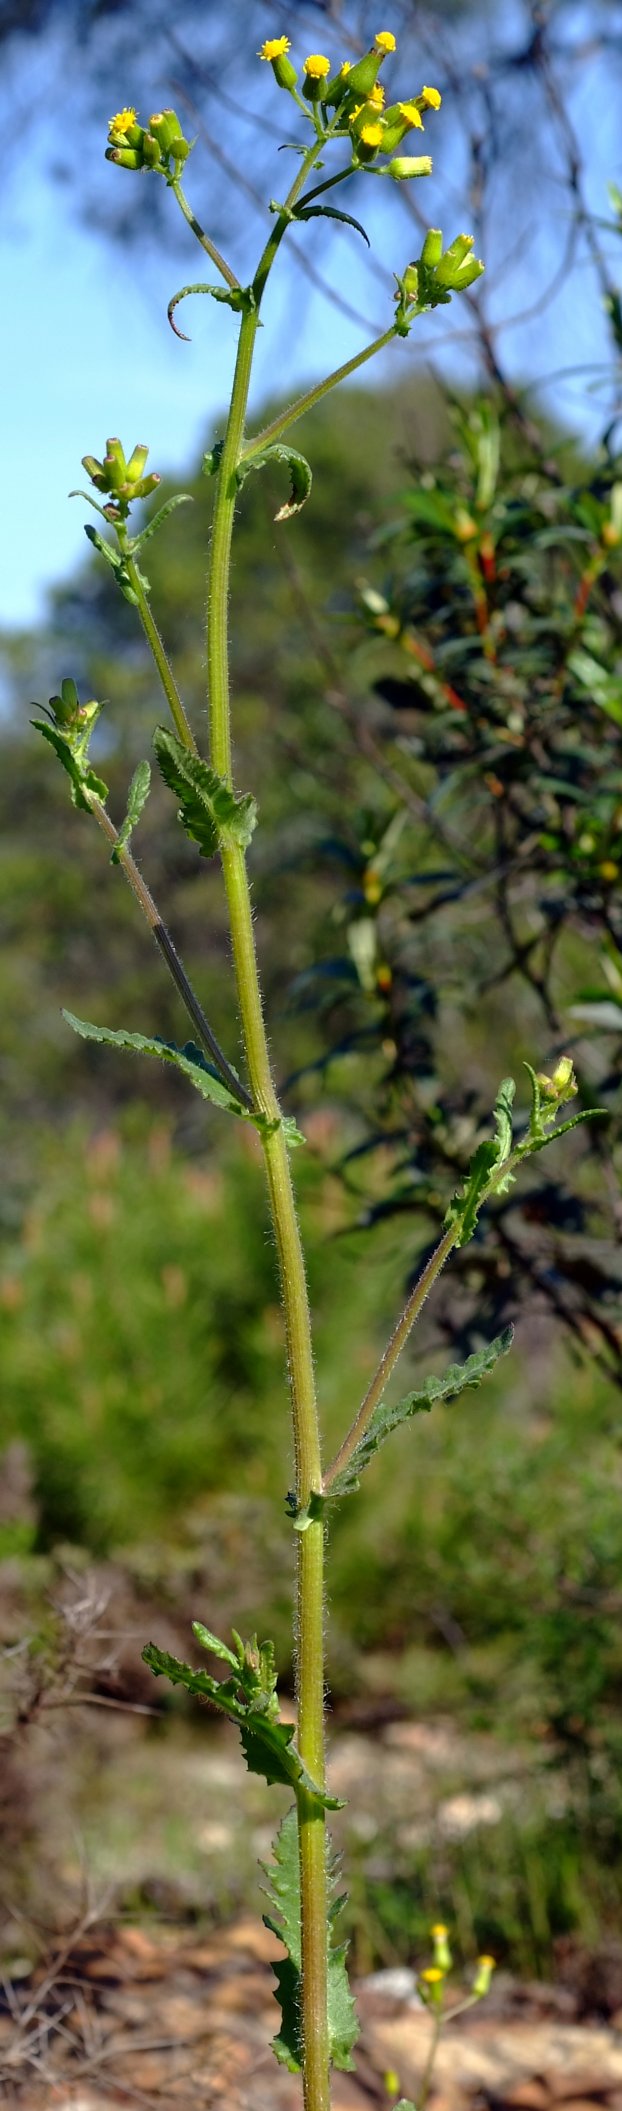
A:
<point x="165" y="127"/>
<point x="363" y="76"/>
<point x="125" y="157"/>
<point x="407" y="165"/>
<point x="339" y="87"/>
<point x="432" y="248"/>
<point x="442" y="1953"/>
<point x="136" y="464"/>
<point x="481" y="1983"/>
<point x="563" y="1075"/>
<point x="431" y="1985"/>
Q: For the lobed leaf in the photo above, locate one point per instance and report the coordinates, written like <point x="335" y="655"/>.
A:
<point x="284" y="1922"/>
<point x="267" y="1744"/>
<point x="385" y="1418"/>
<point x="210" y="813"/>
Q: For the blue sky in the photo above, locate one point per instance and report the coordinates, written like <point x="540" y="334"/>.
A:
<point x="88" y="350"/>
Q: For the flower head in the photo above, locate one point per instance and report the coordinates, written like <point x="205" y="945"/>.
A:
<point x="411" y="114"/>
<point x="274" y="48"/>
<point x="119" y="126"/>
<point x="376" y="95"/>
<point x="432" y="98"/>
<point x="371" y="135"/>
<point x="317" y="66"/>
<point x="385" y="40"/>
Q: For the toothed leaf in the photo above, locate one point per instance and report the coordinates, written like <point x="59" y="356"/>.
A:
<point x="83" y="778"/>
<point x="284" y="1921"/>
<point x="465" y="1205"/>
<point x="210" y="813"/>
<point x="299" y="472"/>
<point x="385" y="1418"/>
<point x="267" y="1745"/>
<point x="136" y="799"/>
<point x="189" y="1060"/>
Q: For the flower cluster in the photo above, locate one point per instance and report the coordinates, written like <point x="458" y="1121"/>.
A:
<point x="431" y="1981"/>
<point x="122" y="480"/>
<point x="436" y="274"/>
<point x="160" y="145"/>
<point x="351" y="105"/>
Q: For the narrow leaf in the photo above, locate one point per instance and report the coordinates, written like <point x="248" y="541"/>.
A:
<point x="210" y="813"/>
<point x="240" y="298"/>
<point x="330" y="212"/>
<point x="182" y="498"/>
<point x="299" y="471"/>
<point x="266" y="1744"/>
<point x="284" y="1921"/>
<point x="136" y="800"/>
<point x="189" y="1060"/>
<point x="385" y="1418"/>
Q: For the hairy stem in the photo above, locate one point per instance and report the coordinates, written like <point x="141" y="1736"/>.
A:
<point x="170" y="954"/>
<point x="205" y="240"/>
<point x="314" y="395"/>
<point x="156" y="645"/>
<point x="393" y="1350"/>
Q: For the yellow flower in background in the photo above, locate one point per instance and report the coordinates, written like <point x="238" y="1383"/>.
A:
<point x="274" y="48"/>
<point x="385" y="40"/>
<point x="317" y="66"/>
<point x="432" y="98"/>
<point x="411" y="114"/>
<point x="119" y="126"/>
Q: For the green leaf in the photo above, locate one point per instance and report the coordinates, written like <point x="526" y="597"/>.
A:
<point x="189" y="1060"/>
<point x="136" y="800"/>
<point x="604" y="688"/>
<point x="465" y="1205"/>
<point x="330" y="212"/>
<point x="83" y="778"/>
<point x="267" y="1744"/>
<point x="284" y="1922"/>
<point x="385" y="1418"/>
<point x="182" y="498"/>
<point x="210" y="813"/>
<point x="240" y="298"/>
<point x="299" y="471"/>
<point x="117" y="565"/>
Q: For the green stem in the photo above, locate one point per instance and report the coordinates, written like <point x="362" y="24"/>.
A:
<point x="205" y="240"/>
<point x="169" y="953"/>
<point x="393" y="1350"/>
<point x="314" y="395"/>
<point x="156" y="645"/>
<point x="310" y="1669"/>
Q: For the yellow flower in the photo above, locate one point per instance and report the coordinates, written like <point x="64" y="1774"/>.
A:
<point x="376" y="95"/>
<point x="120" y="125"/>
<point x="432" y="98"/>
<point x="411" y="114"/>
<point x="371" y="135"/>
<point x="274" y="48"/>
<point x="439" y="1930"/>
<point x="316" y="66"/>
<point x="432" y="1974"/>
<point x="385" y="40"/>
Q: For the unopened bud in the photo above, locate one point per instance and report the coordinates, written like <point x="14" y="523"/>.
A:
<point x="406" y="165"/>
<point x="363" y="76"/>
<point x="481" y="1983"/>
<point x="432" y="248"/>
<point x="442" y="1953"/>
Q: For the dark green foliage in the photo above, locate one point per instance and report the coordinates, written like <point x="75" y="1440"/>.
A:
<point x="386" y="1418"/>
<point x="284" y="1920"/>
<point x="208" y="811"/>
<point x="267" y="1743"/>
